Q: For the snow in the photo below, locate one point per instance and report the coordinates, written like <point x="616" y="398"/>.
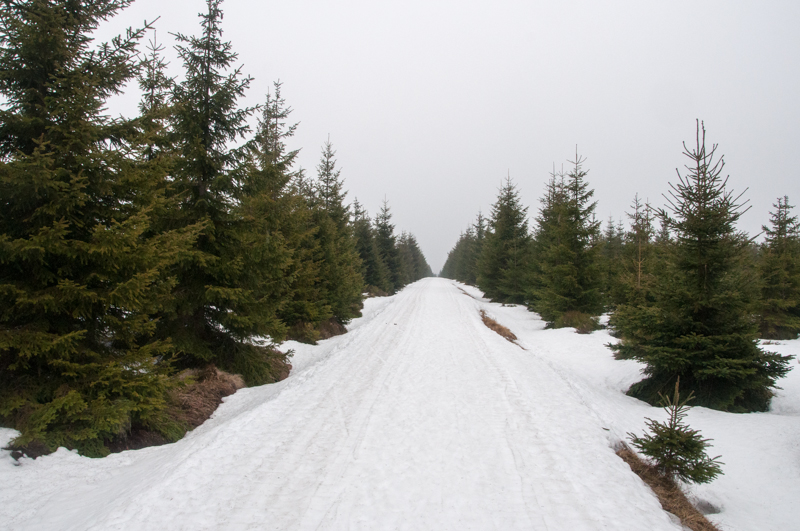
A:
<point x="420" y="418"/>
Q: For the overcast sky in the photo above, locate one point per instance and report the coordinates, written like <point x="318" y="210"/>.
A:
<point x="431" y="103"/>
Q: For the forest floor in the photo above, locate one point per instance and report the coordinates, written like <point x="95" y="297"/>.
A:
<point x="421" y="417"/>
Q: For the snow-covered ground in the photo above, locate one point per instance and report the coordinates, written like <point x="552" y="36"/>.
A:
<point x="420" y="418"/>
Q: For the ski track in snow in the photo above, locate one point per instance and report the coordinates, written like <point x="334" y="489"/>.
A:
<point x="419" y="418"/>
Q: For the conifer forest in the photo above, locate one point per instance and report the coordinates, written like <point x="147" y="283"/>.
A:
<point x="137" y="252"/>
<point x="213" y="317"/>
<point x="688" y="294"/>
<point x="134" y="249"/>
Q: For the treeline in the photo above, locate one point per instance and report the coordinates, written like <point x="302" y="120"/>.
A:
<point x="131" y="249"/>
<point x="689" y="294"/>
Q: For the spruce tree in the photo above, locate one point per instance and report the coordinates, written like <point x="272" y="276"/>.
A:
<point x="340" y="268"/>
<point x="475" y="250"/>
<point x="639" y="259"/>
<point x="374" y="269"/>
<point x="700" y="328"/>
<point x="407" y="259"/>
<point x="679" y="451"/>
<point x="82" y="270"/>
<point x="307" y="306"/>
<point x="267" y="205"/>
<point x="218" y="307"/>
<point x="638" y="264"/>
<point x="415" y="267"/>
<point x="330" y="192"/>
<point x="274" y="205"/>
<point x="463" y="259"/>
<point x="611" y="256"/>
<point x="566" y="270"/>
<point x="779" y="268"/>
<point x="387" y="247"/>
<point x="456" y="258"/>
<point x="506" y="249"/>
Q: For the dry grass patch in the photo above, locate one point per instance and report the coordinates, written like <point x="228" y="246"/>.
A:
<point x="582" y="323"/>
<point x="497" y="327"/>
<point x="311" y="333"/>
<point x="330" y="328"/>
<point x="669" y="494"/>
<point x="374" y="291"/>
<point x="190" y="406"/>
<point x="198" y="400"/>
<point x="462" y="290"/>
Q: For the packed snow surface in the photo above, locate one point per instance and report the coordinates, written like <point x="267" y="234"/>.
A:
<point x="420" y="418"/>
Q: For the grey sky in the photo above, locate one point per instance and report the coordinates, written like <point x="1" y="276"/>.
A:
<point x="432" y="103"/>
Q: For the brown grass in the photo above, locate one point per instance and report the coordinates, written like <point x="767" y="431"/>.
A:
<point x="465" y="292"/>
<point x="279" y="367"/>
<point x="497" y="327"/>
<point x="331" y="328"/>
<point x="191" y="405"/>
<point x="201" y="397"/>
<point x="374" y="291"/>
<point x="582" y="323"/>
<point x="669" y="494"/>
<point x="310" y="333"/>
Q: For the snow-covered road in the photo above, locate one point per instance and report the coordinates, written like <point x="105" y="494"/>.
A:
<point x="419" y="418"/>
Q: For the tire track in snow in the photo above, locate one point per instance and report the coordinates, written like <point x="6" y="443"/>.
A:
<point x="431" y="423"/>
<point x="329" y="490"/>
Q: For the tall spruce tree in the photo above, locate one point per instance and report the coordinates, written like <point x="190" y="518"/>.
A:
<point x="218" y="309"/>
<point x="269" y="208"/>
<point x="479" y="229"/>
<point x="82" y="271"/>
<point x="463" y="259"/>
<point x="307" y="306"/>
<point x="779" y="267"/>
<point x="611" y="256"/>
<point x="274" y="200"/>
<point x="506" y="249"/>
<point x="566" y="270"/>
<point x="700" y="328"/>
<point x="415" y="267"/>
<point x="455" y="257"/>
<point x="340" y="268"/>
<point x="387" y="246"/>
<point x="373" y="268"/>
<point x="638" y="264"/>
<point x="637" y="257"/>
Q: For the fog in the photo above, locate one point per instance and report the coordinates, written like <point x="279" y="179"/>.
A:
<point x="431" y="104"/>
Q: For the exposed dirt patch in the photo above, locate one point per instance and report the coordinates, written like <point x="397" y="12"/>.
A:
<point x="462" y="290"/>
<point x="311" y="333"/>
<point x="191" y="405"/>
<point x="331" y="328"/>
<point x="198" y="400"/>
<point x="33" y="450"/>
<point x="374" y="291"/>
<point x="135" y="440"/>
<point x="669" y="494"/>
<point x="279" y="367"/>
<point x="497" y="327"/>
<point x="582" y="323"/>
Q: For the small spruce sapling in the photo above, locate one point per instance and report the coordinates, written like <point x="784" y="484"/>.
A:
<point x="679" y="452"/>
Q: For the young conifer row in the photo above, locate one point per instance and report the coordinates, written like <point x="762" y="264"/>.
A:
<point x="133" y="248"/>
<point x="689" y="300"/>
